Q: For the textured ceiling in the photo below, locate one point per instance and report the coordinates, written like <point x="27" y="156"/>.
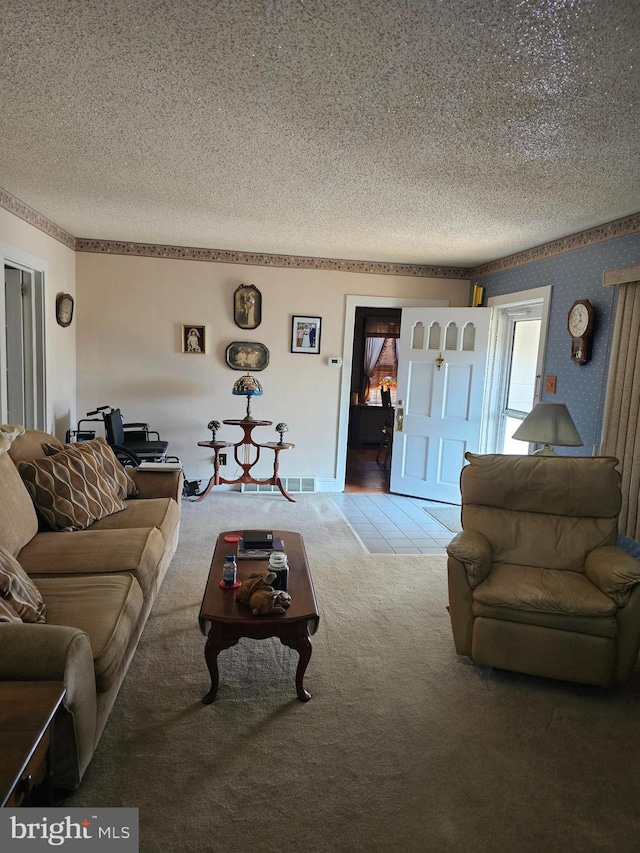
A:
<point x="420" y="131"/>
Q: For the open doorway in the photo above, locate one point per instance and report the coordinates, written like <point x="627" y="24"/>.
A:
<point x="374" y="373"/>
<point x="22" y="348"/>
<point x="500" y="368"/>
<point x="354" y="302"/>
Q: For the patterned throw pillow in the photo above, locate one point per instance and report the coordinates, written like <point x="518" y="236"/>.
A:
<point x="122" y="482"/>
<point x="70" y="489"/>
<point x="18" y="593"/>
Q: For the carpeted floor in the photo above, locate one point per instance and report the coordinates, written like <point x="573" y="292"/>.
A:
<point x="403" y="747"/>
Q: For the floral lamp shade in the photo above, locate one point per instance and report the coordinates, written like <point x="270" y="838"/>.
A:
<point x="247" y="386"/>
<point x="387" y="382"/>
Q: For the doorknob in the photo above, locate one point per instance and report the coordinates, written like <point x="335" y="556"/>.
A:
<point x="399" y="416"/>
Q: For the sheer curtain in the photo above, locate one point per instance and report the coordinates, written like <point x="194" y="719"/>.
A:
<point x="372" y="350"/>
<point x="621" y="427"/>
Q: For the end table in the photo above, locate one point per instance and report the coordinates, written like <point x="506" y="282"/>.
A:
<point x="27" y="709"/>
<point x="246" y="463"/>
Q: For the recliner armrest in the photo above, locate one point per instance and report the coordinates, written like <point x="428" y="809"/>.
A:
<point x="613" y="571"/>
<point x="472" y="549"/>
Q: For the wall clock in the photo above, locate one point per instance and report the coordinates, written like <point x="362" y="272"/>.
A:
<point x="64" y="309"/>
<point x="580" y="323"/>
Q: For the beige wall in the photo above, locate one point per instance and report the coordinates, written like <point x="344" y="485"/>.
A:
<point x="130" y="312"/>
<point x="23" y="243"/>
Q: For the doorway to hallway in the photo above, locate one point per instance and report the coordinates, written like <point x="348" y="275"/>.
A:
<point x="373" y="368"/>
<point x="364" y="473"/>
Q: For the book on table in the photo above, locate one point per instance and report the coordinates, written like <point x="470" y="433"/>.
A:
<point x="160" y="466"/>
<point x="245" y="553"/>
<point x="257" y="538"/>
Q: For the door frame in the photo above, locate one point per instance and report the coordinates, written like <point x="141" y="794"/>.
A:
<point x="38" y="268"/>
<point x="353" y="302"/>
<point x="496" y="368"/>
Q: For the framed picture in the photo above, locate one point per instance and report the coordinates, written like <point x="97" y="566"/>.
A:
<point x="194" y="339"/>
<point x="64" y="309"/>
<point x="247" y="355"/>
<point x="305" y="334"/>
<point x="247" y="306"/>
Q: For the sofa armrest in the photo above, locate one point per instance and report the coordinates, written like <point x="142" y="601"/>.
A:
<point x="34" y="652"/>
<point x="157" y="484"/>
<point x="613" y="571"/>
<point x="472" y="549"/>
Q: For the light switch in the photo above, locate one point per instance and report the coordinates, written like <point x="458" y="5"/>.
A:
<point x="550" y="383"/>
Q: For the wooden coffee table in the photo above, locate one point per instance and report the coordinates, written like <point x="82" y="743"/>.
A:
<point x="223" y="620"/>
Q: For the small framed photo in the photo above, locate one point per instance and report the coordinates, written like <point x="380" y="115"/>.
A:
<point x="194" y="339"/>
<point x="247" y="355"/>
<point x="305" y="334"/>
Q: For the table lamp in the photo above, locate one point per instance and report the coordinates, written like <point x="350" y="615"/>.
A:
<point x="250" y="387"/>
<point x="549" y="424"/>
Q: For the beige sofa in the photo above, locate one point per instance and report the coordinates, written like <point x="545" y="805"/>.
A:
<point x="536" y="582"/>
<point x="98" y="584"/>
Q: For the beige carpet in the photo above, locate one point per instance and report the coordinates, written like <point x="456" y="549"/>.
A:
<point x="403" y="747"/>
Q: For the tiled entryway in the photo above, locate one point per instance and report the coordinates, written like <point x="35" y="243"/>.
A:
<point x="393" y="524"/>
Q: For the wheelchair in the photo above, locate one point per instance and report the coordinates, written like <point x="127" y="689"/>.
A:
<point x="132" y="443"/>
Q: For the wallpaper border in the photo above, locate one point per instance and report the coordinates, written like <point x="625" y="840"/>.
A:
<point x="23" y="211"/>
<point x="598" y="234"/>
<point x="222" y="256"/>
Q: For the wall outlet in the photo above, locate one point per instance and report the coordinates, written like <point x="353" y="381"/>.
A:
<point x="550" y="384"/>
<point x="222" y="458"/>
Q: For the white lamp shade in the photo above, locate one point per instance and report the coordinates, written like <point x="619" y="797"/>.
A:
<point x="549" y="424"/>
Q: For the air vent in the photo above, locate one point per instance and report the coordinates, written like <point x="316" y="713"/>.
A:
<point x="290" y="484"/>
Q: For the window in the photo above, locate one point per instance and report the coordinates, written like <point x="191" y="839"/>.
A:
<point x="386" y="367"/>
<point x="521" y="381"/>
<point x="517" y="343"/>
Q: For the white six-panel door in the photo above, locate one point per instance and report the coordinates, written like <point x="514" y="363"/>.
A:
<point x="441" y="376"/>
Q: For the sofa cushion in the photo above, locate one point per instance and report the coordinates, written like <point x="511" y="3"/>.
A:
<point x="98" y="448"/>
<point x="28" y="445"/>
<point x="70" y="489"/>
<point x="106" y="607"/>
<point x="18" y="518"/>
<point x="91" y="552"/>
<point x="542" y="590"/>
<point x="162" y="513"/>
<point x="7" y="613"/>
<point x="18" y="590"/>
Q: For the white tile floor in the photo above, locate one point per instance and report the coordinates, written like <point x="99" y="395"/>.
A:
<point x="393" y="524"/>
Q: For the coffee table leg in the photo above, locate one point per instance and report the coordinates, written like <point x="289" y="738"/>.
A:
<point x="215" y="644"/>
<point x="303" y="646"/>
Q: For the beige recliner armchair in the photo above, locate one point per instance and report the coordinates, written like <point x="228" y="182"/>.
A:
<point x="536" y="582"/>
